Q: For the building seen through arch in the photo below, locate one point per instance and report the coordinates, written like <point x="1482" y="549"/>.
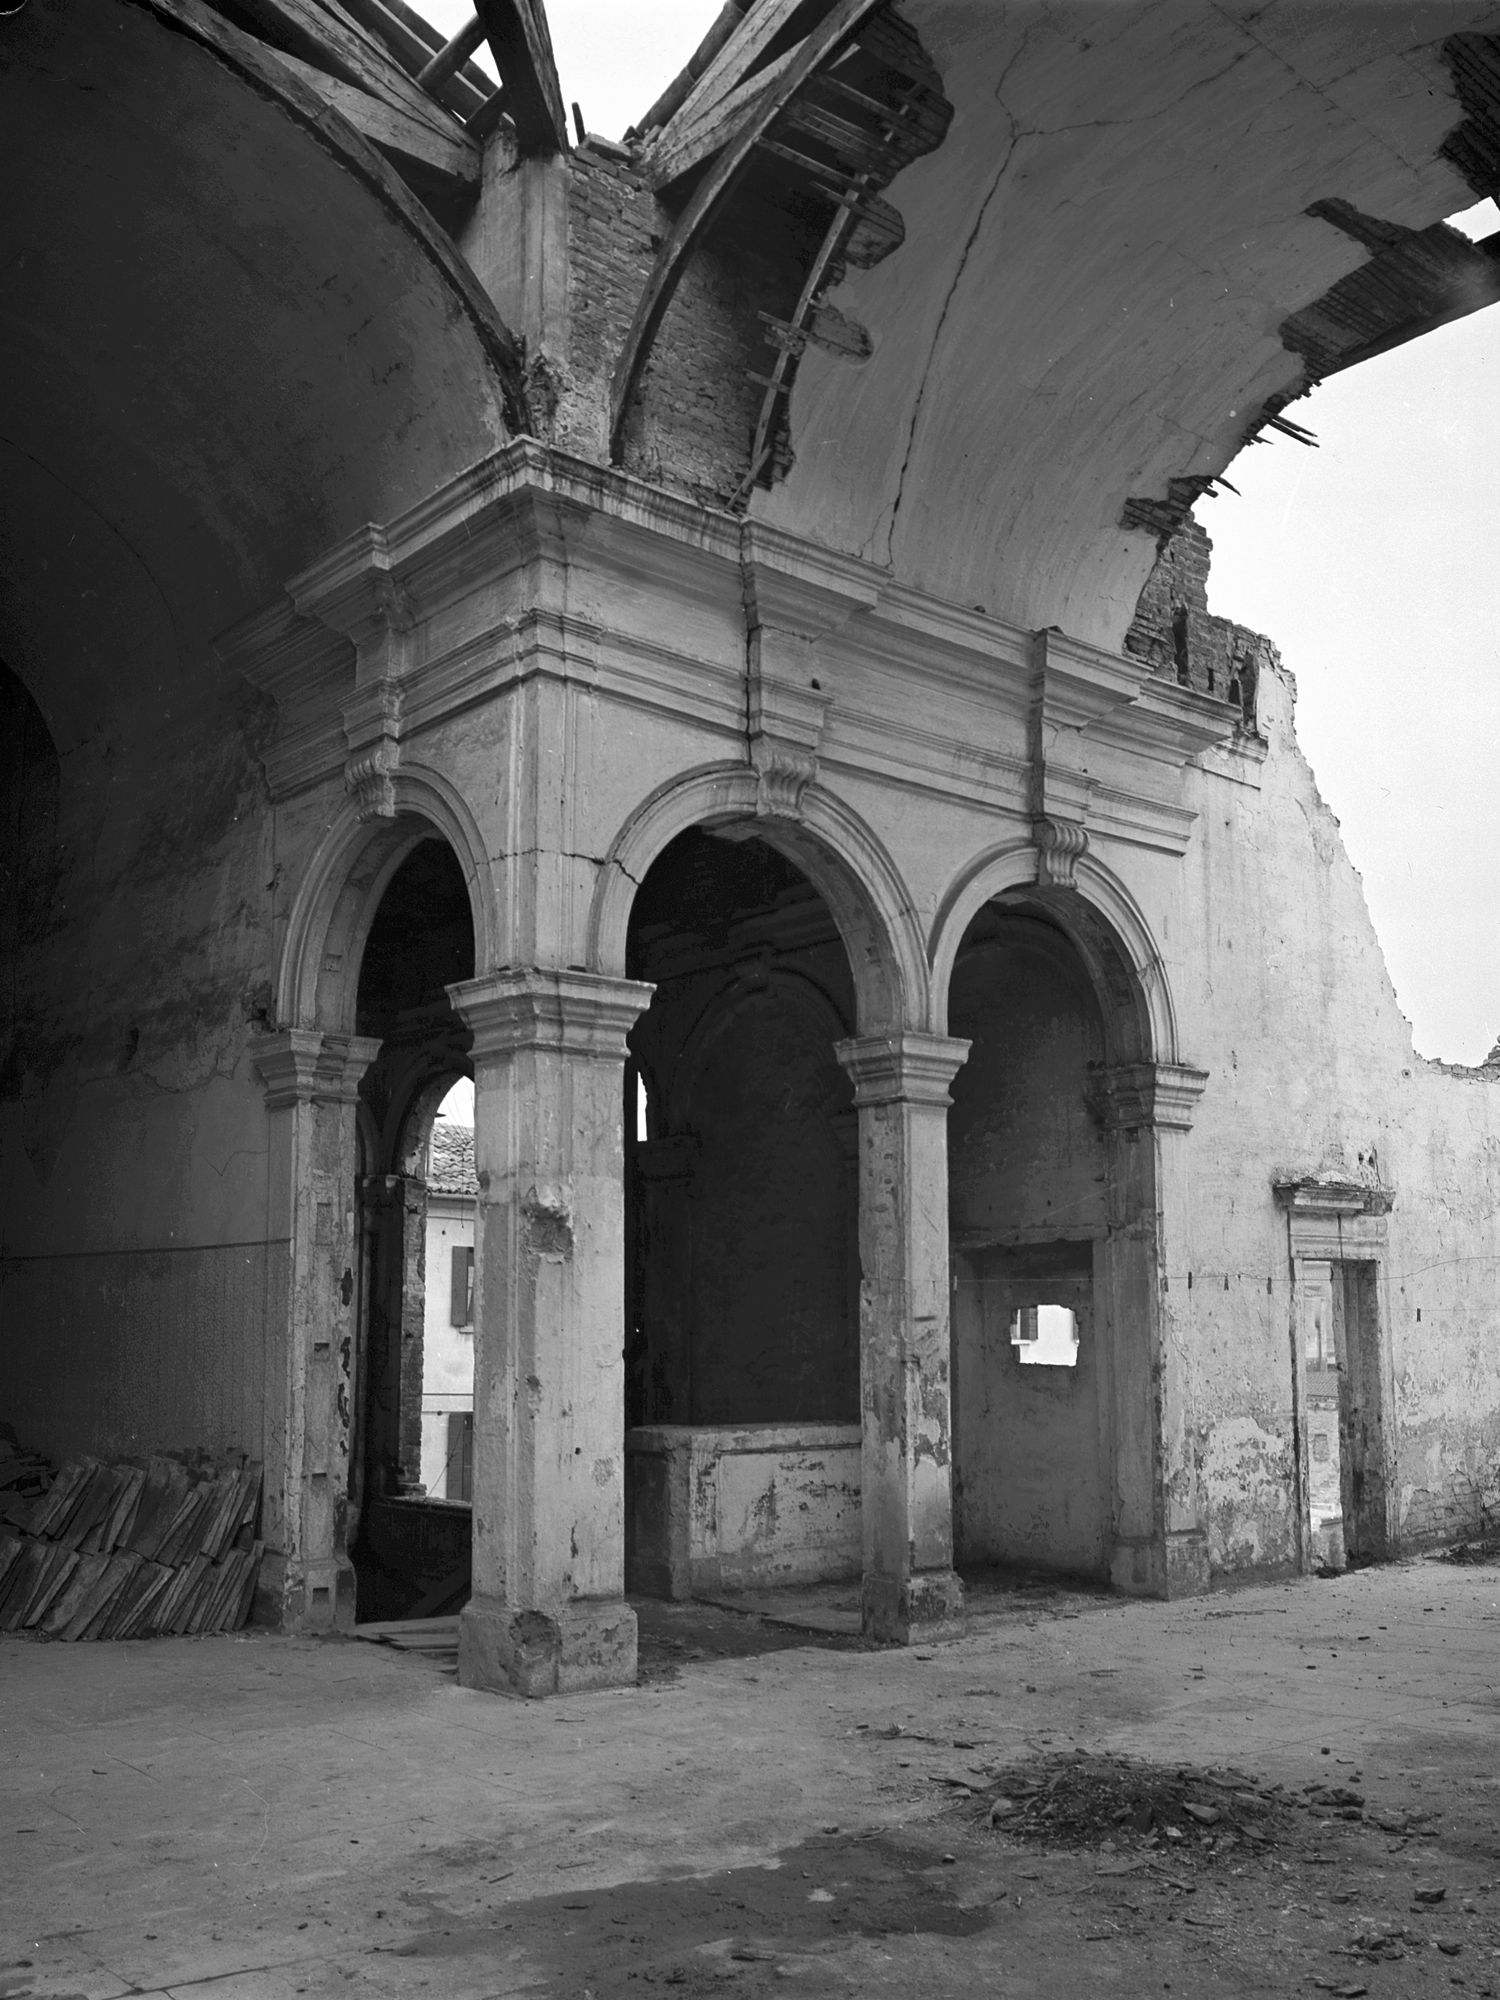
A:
<point x="701" y="640"/>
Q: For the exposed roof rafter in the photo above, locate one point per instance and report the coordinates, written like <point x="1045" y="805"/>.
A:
<point x="718" y="183"/>
<point x="516" y="31"/>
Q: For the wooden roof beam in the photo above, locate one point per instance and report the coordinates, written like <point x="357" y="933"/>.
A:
<point x="437" y="142"/>
<point x="327" y="39"/>
<point x="709" y="196"/>
<point x="517" y="33"/>
<point x="735" y="61"/>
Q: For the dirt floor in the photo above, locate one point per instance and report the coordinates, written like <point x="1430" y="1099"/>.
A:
<point x="1283" y="1790"/>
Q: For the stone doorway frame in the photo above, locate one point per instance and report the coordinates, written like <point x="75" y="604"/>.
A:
<point x="1340" y="1222"/>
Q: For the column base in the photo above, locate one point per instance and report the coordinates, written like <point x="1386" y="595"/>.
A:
<point x="1174" y="1565"/>
<point x="313" y="1598"/>
<point x="905" y="1611"/>
<point x="589" y="1643"/>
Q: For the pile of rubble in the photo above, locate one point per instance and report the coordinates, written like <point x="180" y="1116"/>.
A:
<point x="1078" y="1800"/>
<point x="130" y="1550"/>
<point x="1075" y="1799"/>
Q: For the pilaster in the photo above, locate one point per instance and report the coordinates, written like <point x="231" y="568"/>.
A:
<point x="788" y="614"/>
<point x="1160" y="1544"/>
<point x="311" y="1082"/>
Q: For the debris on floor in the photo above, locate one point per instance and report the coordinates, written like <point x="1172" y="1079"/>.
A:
<point x="1194" y="1815"/>
<point x="1484" y="1549"/>
<point x="1108" y="1802"/>
<point x="133" y="1550"/>
<point x="432" y="1639"/>
<point x="24" y="1476"/>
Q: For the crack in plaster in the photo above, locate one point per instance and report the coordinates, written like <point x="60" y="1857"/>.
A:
<point x="240" y="1153"/>
<point x="937" y="335"/>
<point x="1019" y="134"/>
<point x="1142" y="118"/>
<point x="1321" y="90"/>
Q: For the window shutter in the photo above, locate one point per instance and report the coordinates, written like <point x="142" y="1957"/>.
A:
<point x="460" y="1466"/>
<point x="462" y="1270"/>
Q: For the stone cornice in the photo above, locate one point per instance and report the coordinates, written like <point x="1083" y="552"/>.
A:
<point x="563" y="1013"/>
<point x="1324" y="1200"/>
<point x="1076" y="685"/>
<point x="902" y="1069"/>
<point x="477" y="588"/>
<point x="305" y="1066"/>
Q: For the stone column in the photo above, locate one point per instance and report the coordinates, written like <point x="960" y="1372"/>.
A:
<point x="548" y="1613"/>
<point x="901" y="1095"/>
<point x="311" y="1082"/>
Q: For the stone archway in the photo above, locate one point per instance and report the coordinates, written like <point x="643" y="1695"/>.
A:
<point x="1063" y="1129"/>
<point x="900" y="1072"/>
<point x="324" y="1132"/>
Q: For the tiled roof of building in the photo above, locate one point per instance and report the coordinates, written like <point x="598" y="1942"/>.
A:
<point x="450" y="1164"/>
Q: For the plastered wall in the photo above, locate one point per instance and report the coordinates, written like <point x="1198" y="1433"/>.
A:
<point x="142" y="1283"/>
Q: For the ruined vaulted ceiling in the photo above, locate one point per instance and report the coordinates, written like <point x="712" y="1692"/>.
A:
<point x="225" y="340"/>
<point x="1098" y="266"/>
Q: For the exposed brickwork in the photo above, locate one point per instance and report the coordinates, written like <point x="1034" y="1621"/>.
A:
<point x="694" y="414"/>
<point x="1465" y="1505"/>
<point x="614" y="226"/>
<point x="1174" y="630"/>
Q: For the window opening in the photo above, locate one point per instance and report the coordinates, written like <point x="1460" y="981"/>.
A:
<point x="1045" y="1335"/>
<point x="448" y="1329"/>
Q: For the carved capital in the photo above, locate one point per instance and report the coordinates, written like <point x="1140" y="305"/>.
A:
<point x="562" y="1013"/>
<point x="1137" y="1096"/>
<point x="1060" y="845"/>
<point x="305" y="1066"/>
<point x="902" y="1069"/>
<point x="372" y="730"/>
<point x="782" y="774"/>
<point x="371" y="781"/>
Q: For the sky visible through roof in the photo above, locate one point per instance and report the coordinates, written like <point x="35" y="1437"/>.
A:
<point x="1370" y="562"/>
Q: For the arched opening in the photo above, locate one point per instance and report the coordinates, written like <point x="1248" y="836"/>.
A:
<point x="742" y="1306"/>
<point x="1038" y="1189"/>
<point x="417" y="1194"/>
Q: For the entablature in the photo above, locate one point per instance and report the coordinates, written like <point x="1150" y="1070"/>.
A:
<point x="535" y="562"/>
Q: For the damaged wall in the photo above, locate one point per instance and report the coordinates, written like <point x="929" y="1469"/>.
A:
<point x="1287" y="1003"/>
